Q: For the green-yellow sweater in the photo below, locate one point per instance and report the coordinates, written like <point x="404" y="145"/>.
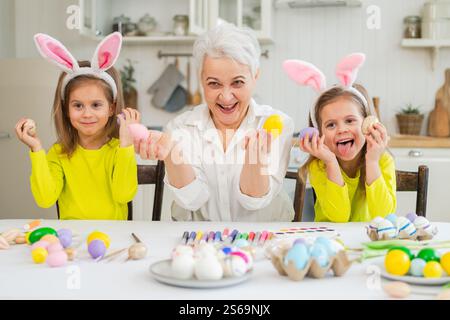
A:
<point x="91" y="184"/>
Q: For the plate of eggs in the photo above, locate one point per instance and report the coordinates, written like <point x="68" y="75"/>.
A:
<point x="204" y="266"/>
<point x="427" y="267"/>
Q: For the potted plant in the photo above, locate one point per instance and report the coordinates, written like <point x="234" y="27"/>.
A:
<point x="410" y="120"/>
<point x="128" y="81"/>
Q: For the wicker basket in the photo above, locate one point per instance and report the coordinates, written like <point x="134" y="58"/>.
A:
<point x="410" y="123"/>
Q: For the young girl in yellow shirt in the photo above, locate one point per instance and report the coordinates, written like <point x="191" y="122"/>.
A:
<point x="351" y="173"/>
<point x="89" y="171"/>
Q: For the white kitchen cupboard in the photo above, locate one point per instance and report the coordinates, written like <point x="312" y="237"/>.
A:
<point x="438" y="162"/>
<point x="97" y="17"/>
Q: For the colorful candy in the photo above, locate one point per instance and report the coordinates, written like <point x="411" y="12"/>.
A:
<point x="397" y="262"/>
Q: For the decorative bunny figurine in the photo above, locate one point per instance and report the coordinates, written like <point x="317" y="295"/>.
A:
<point x="306" y="74"/>
<point x="104" y="58"/>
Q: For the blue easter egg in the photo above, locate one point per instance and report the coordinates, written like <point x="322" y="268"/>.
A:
<point x="319" y="252"/>
<point x="416" y="268"/>
<point x="392" y="218"/>
<point x="298" y="254"/>
<point x="327" y="244"/>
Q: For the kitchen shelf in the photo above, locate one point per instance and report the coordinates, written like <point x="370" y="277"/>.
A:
<point x="434" y="45"/>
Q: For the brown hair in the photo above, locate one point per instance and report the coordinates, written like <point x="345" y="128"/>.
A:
<point x="67" y="135"/>
<point x="325" y="99"/>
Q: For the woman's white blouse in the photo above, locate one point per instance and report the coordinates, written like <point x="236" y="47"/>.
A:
<point x="215" y="192"/>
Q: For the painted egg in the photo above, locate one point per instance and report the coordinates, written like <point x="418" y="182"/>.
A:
<point x="137" y="251"/>
<point x="375" y="223"/>
<point x="299" y="255"/>
<point x="65" y="237"/>
<point x="208" y="268"/>
<point x="327" y="243"/>
<point x="274" y="125"/>
<point x="234" y="266"/>
<point x="97" y="235"/>
<point x="57" y="259"/>
<point x="392" y="218"/>
<point x="367" y="123"/>
<point x="204" y="250"/>
<point x="386" y="229"/>
<point x="405" y="228"/>
<point x="97" y="248"/>
<point x="39" y="255"/>
<point x="31" y="127"/>
<point x="138" y="131"/>
<point x="310" y="131"/>
<point x="182" y="250"/>
<point x="55" y="247"/>
<point x="404" y="249"/>
<point x="244" y="255"/>
<point x="428" y="254"/>
<point x="182" y="266"/>
<point x="411" y="216"/>
<point x="432" y="270"/>
<point x="421" y="223"/>
<point x="417" y="266"/>
<point x="40" y="244"/>
<point x="397" y="262"/>
<point x="37" y="234"/>
<point x="299" y="241"/>
<point x="320" y="254"/>
<point x="445" y="262"/>
<point x="50" y="238"/>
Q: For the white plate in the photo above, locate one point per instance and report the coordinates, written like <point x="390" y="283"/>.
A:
<point x="161" y="271"/>
<point x="411" y="279"/>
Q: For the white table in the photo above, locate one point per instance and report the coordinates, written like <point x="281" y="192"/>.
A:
<point x="20" y="278"/>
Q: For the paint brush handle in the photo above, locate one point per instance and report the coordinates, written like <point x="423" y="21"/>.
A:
<point x="136" y="238"/>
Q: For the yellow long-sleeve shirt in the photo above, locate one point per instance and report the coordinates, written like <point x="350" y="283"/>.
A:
<point x="91" y="184"/>
<point x="350" y="202"/>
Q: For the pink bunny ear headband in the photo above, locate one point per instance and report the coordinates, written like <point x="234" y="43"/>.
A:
<point x="306" y="74"/>
<point x="104" y="58"/>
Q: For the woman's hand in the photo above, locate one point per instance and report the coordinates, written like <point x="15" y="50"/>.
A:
<point x="128" y="116"/>
<point x="157" y="146"/>
<point x="257" y="147"/>
<point x="317" y="148"/>
<point x="377" y="141"/>
<point x="27" y="136"/>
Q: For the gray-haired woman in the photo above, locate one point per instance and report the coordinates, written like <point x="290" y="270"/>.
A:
<point x="220" y="164"/>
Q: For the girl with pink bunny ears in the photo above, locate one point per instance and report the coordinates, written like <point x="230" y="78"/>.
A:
<point x="351" y="173"/>
<point x="91" y="171"/>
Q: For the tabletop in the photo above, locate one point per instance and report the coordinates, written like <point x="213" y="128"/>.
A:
<point x="84" y="278"/>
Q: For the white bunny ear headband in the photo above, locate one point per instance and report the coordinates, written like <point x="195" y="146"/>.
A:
<point x="104" y="58"/>
<point x="306" y="74"/>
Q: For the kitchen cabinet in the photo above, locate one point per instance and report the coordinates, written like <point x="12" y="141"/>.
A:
<point x="97" y="17"/>
<point x="438" y="162"/>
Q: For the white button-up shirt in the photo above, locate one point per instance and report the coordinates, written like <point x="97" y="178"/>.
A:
<point x="215" y="193"/>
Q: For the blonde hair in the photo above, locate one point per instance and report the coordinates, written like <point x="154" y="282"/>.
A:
<point x="67" y="135"/>
<point x="325" y="99"/>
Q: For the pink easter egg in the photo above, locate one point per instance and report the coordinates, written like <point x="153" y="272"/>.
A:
<point x="57" y="259"/>
<point x="40" y="244"/>
<point x="138" y="131"/>
<point x="55" y="247"/>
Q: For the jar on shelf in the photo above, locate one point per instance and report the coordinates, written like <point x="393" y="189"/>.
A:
<point x="180" y="25"/>
<point x="146" y="25"/>
<point x="412" y="27"/>
<point x="120" y="24"/>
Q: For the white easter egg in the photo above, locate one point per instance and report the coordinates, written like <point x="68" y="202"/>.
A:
<point x="405" y="228"/>
<point x="386" y="228"/>
<point x="182" y="250"/>
<point x="182" y="266"/>
<point x="208" y="268"/>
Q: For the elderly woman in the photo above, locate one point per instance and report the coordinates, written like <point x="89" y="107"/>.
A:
<point x="220" y="164"/>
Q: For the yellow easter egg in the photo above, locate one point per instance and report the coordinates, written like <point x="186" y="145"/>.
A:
<point x="97" y="235"/>
<point x="397" y="262"/>
<point x="27" y="237"/>
<point x="432" y="270"/>
<point x="445" y="262"/>
<point x="39" y="255"/>
<point x="50" y="238"/>
<point x="274" y="125"/>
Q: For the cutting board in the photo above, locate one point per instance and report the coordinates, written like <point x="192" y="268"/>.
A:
<point x="438" y="122"/>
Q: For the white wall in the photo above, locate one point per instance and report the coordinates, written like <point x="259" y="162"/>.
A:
<point x="7" y="29"/>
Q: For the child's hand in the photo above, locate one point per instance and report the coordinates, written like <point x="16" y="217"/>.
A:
<point x="377" y="141"/>
<point x="128" y="116"/>
<point x="157" y="146"/>
<point x="27" y="136"/>
<point x="317" y="148"/>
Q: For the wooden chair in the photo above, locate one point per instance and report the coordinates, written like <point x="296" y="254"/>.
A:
<point x="151" y="174"/>
<point x="299" y="195"/>
<point x="147" y="174"/>
<point x="415" y="181"/>
<point x="412" y="181"/>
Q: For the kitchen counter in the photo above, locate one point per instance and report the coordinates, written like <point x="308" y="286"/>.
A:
<point x="409" y="141"/>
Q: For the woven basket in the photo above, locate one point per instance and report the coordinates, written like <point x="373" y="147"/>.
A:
<point x="410" y="123"/>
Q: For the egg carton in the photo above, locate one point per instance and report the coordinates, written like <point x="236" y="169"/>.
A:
<point x="420" y="235"/>
<point x="339" y="264"/>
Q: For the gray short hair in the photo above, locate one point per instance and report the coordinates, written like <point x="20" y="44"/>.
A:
<point x="227" y="40"/>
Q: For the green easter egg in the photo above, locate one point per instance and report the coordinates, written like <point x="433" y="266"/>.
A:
<point x="404" y="249"/>
<point x="428" y="254"/>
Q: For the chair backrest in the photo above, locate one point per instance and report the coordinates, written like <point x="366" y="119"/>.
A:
<point x="151" y="174"/>
<point x="415" y="181"/>
<point x="299" y="194"/>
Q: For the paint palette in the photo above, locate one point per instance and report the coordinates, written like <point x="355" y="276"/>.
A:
<point x="306" y="232"/>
